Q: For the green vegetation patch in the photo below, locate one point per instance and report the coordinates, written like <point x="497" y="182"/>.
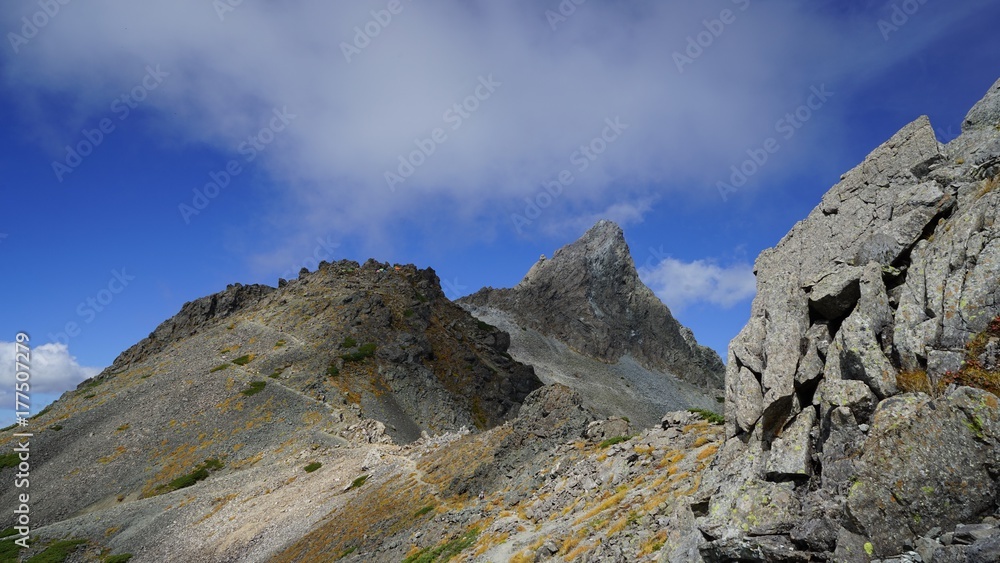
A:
<point x="243" y="360"/>
<point x="313" y="466"/>
<point x="9" y="460"/>
<point x="120" y="558"/>
<point x="445" y="551"/>
<point x="332" y="370"/>
<point x="56" y="427"/>
<point x="219" y="367"/>
<point x="348" y="342"/>
<point x="613" y="441"/>
<point x="714" y="418"/>
<point x="255" y="387"/>
<point x="280" y="343"/>
<point x="423" y="511"/>
<point x="8" y="532"/>
<point x="9" y="550"/>
<point x="364" y="351"/>
<point x="199" y="474"/>
<point x="358" y="482"/>
<point x="347" y="552"/>
<point x="57" y="552"/>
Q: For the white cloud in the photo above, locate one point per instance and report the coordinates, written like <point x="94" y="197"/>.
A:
<point x="621" y="213"/>
<point x="681" y="284"/>
<point x="53" y="370"/>
<point x="355" y="119"/>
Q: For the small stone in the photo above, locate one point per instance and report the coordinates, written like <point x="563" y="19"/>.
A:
<point x="967" y="534"/>
<point x="926" y="547"/>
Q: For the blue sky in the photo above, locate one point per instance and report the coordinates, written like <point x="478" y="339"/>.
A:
<point x="423" y="133"/>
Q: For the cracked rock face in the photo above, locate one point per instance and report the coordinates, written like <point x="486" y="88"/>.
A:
<point x="893" y="272"/>
<point x="816" y="272"/>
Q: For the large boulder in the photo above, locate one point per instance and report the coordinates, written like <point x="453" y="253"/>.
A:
<point x="927" y="464"/>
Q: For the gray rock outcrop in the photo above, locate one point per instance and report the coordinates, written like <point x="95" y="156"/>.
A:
<point x="888" y="278"/>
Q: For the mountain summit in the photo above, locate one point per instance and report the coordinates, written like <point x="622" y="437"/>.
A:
<point x="588" y="298"/>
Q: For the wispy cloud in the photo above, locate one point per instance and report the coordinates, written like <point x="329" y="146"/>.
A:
<point x="415" y="75"/>
<point x="681" y="284"/>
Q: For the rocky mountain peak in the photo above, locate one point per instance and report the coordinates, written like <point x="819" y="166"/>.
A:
<point x="600" y="254"/>
<point x="589" y="297"/>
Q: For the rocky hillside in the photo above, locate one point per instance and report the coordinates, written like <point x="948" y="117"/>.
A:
<point x="380" y="340"/>
<point x="583" y="318"/>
